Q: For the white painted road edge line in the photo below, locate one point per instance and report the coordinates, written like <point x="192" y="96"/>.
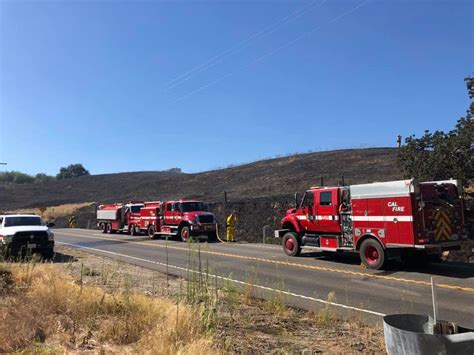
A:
<point x="253" y="245"/>
<point x="229" y="279"/>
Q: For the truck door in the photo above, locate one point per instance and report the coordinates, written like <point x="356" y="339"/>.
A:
<point x="306" y="214"/>
<point x="328" y="211"/>
<point x="168" y="213"/>
<point x="125" y="216"/>
<point x="177" y="213"/>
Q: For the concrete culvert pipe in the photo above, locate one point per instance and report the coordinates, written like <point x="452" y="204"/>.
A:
<point x="413" y="334"/>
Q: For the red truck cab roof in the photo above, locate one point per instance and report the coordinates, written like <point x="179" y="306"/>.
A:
<point x="153" y="204"/>
<point x="182" y="201"/>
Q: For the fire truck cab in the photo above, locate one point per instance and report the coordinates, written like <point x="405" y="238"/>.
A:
<point x="380" y="221"/>
<point x="182" y="219"/>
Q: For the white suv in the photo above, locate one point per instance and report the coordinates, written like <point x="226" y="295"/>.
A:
<point x="25" y="234"/>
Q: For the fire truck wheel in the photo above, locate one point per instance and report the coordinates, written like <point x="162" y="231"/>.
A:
<point x="415" y="258"/>
<point x="108" y="228"/>
<point x="372" y="254"/>
<point x="102" y="227"/>
<point x="185" y="234"/>
<point x="151" y="232"/>
<point x="212" y="237"/>
<point x="291" y="244"/>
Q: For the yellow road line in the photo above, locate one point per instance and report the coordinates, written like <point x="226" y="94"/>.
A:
<point x="287" y="263"/>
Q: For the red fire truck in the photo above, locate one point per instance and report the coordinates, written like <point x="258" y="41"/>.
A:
<point x="182" y="218"/>
<point x="119" y="217"/>
<point x="380" y="221"/>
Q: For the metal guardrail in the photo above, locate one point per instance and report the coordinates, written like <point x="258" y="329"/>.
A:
<point x="413" y="334"/>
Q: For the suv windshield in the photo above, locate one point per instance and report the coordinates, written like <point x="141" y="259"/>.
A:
<point x="22" y="221"/>
<point x="193" y="206"/>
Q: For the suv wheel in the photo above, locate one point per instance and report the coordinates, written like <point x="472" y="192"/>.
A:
<point x="47" y="254"/>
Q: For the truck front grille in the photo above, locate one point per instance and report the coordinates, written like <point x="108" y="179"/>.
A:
<point x="30" y="237"/>
<point x="206" y="218"/>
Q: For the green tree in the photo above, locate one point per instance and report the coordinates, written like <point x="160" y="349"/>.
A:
<point x="41" y="177"/>
<point x="16" y="177"/>
<point x="440" y="155"/>
<point x="72" y="171"/>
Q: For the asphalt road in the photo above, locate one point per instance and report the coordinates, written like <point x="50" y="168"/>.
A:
<point x="305" y="281"/>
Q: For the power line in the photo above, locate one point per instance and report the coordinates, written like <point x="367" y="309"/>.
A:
<point x="270" y="53"/>
<point x="242" y="45"/>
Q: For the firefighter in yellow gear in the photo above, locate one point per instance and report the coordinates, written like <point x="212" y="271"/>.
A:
<point x="72" y="222"/>
<point x="230" y="226"/>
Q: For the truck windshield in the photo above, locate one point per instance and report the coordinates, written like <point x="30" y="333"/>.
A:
<point x="22" y="221"/>
<point x="193" y="206"/>
<point x="136" y="208"/>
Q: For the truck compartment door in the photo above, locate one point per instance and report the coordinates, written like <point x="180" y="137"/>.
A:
<point x="398" y="220"/>
<point x="377" y="222"/>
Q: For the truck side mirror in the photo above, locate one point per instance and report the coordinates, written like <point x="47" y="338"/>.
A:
<point x="296" y="200"/>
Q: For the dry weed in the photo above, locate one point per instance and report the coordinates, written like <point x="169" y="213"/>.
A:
<point x="48" y="304"/>
<point x="54" y="212"/>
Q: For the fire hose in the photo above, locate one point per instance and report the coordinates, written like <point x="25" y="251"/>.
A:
<point x="217" y="234"/>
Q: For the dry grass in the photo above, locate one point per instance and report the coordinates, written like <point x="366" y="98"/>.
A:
<point x="257" y="328"/>
<point x="325" y="316"/>
<point x="91" y="303"/>
<point x="277" y="303"/>
<point x="53" y="212"/>
<point x="42" y="308"/>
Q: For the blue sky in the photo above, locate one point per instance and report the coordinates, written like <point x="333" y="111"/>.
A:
<point x="100" y="82"/>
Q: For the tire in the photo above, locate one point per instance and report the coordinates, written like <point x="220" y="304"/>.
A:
<point x="416" y="258"/>
<point x="372" y="254"/>
<point x="328" y="254"/>
<point x="291" y="244"/>
<point x="108" y="228"/>
<point x="435" y="258"/>
<point x="212" y="237"/>
<point x="185" y="234"/>
<point x="6" y="252"/>
<point x="102" y="227"/>
<point x="151" y="232"/>
<point x="47" y="254"/>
